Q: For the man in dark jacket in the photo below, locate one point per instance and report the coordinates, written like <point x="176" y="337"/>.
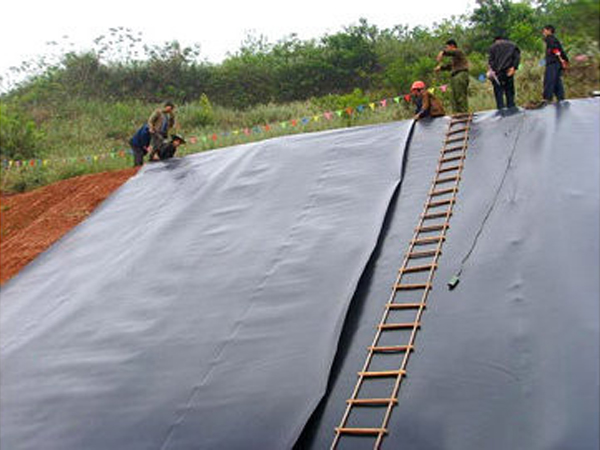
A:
<point x="459" y="81"/>
<point x="167" y="150"/>
<point x="139" y="144"/>
<point x="504" y="59"/>
<point x="556" y="62"/>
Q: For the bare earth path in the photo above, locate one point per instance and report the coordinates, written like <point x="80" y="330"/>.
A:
<point x="31" y="222"/>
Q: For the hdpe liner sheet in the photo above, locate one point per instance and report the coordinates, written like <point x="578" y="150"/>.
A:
<point x="510" y="358"/>
<point x="200" y="307"/>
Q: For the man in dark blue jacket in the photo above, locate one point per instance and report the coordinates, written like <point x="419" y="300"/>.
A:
<point x="139" y="144"/>
<point x="556" y="62"/>
<point x="504" y="59"/>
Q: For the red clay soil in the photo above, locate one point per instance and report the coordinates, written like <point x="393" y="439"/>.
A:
<point x="31" y="222"/>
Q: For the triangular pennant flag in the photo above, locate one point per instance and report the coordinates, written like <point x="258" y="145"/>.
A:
<point x="407" y="98"/>
<point x="294" y="122"/>
<point x="444" y="87"/>
<point x="397" y="99"/>
<point x="328" y="115"/>
<point x="246" y="131"/>
<point x="204" y="139"/>
<point x="372" y="106"/>
<point x="305" y="120"/>
<point x="431" y="90"/>
<point x="267" y="127"/>
<point x="214" y="137"/>
<point x="383" y="103"/>
<point x="283" y="124"/>
<point x="360" y="108"/>
<point x="316" y="118"/>
<point x="349" y="110"/>
<point x="339" y="112"/>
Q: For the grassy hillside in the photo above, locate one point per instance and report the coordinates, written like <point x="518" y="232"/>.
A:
<point x="76" y="115"/>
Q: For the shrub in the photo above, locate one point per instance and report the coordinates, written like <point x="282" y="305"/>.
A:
<point x="197" y="114"/>
<point x="19" y="135"/>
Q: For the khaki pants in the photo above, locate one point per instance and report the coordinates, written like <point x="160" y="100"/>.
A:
<point x="460" y="92"/>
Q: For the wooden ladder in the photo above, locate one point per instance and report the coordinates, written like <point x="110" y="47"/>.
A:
<point x="418" y="266"/>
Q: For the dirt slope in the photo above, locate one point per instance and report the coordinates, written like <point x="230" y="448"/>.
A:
<point x="31" y="222"/>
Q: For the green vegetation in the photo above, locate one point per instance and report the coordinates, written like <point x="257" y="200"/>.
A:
<point x="74" y="115"/>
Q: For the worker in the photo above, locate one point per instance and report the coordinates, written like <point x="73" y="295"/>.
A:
<point x="167" y="150"/>
<point x="139" y="144"/>
<point x="504" y="59"/>
<point x="556" y="62"/>
<point x="426" y="104"/>
<point x="159" y="124"/>
<point x="459" y="75"/>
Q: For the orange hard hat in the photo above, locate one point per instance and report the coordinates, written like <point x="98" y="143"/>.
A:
<point x="417" y="85"/>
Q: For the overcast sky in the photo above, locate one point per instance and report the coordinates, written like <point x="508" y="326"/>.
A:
<point x="218" y="26"/>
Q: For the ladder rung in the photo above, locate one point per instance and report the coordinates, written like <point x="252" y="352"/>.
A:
<point x="453" y="149"/>
<point x="455" y="178"/>
<point x="454" y="139"/>
<point x="461" y="130"/>
<point x="449" y="169"/>
<point x="429" y="240"/>
<point x="460" y="115"/>
<point x="443" y="192"/>
<point x="422" y="254"/>
<point x="383" y="373"/>
<point x="372" y="401"/>
<point x="412" y="287"/>
<point x="362" y="431"/>
<point x="436" y="215"/>
<point x="405" y="305"/>
<point x="452" y="158"/>
<point x="423" y="268"/>
<point x="459" y="121"/>
<point x="392" y="348"/>
<point x="428" y="228"/>
<point x="398" y="326"/>
<point x="441" y="203"/>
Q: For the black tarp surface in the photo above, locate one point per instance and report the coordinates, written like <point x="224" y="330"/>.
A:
<point x="510" y="358"/>
<point x="201" y="307"/>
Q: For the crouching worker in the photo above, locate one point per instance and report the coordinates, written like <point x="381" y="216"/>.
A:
<point x="168" y="149"/>
<point x="426" y="104"/>
<point x="139" y="144"/>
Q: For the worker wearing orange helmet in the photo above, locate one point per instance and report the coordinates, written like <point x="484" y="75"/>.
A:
<point x="426" y="104"/>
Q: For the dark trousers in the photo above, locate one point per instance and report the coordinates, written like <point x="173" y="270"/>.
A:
<point x="553" y="84"/>
<point x="505" y="86"/>
<point x="138" y="155"/>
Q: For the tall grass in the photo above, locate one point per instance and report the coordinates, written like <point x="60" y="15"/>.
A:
<point x="77" y="129"/>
